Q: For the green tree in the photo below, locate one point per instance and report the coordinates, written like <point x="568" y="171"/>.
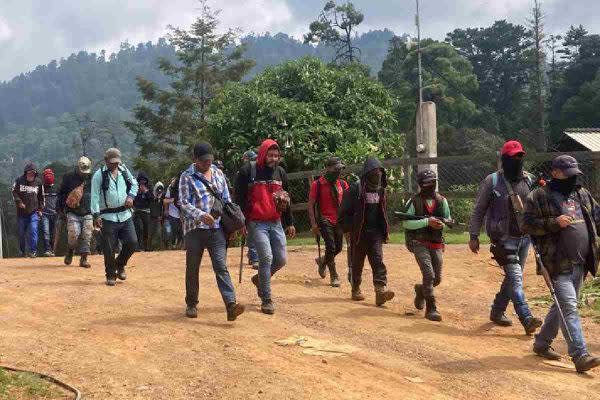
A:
<point x="581" y="110"/>
<point x="448" y="80"/>
<point x="538" y="85"/>
<point x="336" y="27"/>
<point x="501" y="60"/>
<point x="169" y="121"/>
<point x="312" y="109"/>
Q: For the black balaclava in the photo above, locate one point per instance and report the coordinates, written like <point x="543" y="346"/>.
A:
<point x="512" y="167"/>
<point x="373" y="180"/>
<point x="428" y="191"/>
<point x="565" y="186"/>
<point x="332" y="176"/>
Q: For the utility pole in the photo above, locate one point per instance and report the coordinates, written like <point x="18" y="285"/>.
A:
<point x="420" y="107"/>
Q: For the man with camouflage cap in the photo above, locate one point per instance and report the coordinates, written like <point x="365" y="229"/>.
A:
<point x="74" y="204"/>
<point x="113" y="192"/>
<point x="563" y="220"/>
<point x="425" y="239"/>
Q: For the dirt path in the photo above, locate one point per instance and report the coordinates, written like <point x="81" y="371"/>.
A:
<point x="134" y="342"/>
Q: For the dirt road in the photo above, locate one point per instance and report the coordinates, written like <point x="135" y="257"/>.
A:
<point x="134" y="342"/>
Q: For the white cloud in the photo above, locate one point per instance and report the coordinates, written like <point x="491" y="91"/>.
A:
<point x="5" y="31"/>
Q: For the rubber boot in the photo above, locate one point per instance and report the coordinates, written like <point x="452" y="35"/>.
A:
<point x="419" y="297"/>
<point x="431" y="312"/>
<point x="69" y="257"/>
<point x="321" y="267"/>
<point x="382" y="295"/>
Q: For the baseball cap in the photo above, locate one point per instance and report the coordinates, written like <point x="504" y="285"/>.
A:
<point x="426" y="176"/>
<point x="567" y="164"/>
<point x="335" y="162"/>
<point x="512" y="148"/>
<point x="203" y="151"/>
<point x="112" y="156"/>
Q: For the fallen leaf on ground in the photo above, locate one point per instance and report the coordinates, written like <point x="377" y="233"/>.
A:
<point x="416" y="379"/>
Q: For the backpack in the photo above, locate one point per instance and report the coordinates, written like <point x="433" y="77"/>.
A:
<point x="106" y="181"/>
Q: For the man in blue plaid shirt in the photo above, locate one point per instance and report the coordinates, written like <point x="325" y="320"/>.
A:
<point x="202" y="229"/>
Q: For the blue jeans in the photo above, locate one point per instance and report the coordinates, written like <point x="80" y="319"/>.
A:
<point x="517" y="250"/>
<point x="252" y="254"/>
<point x="48" y="224"/>
<point x="567" y="288"/>
<point x="270" y="242"/>
<point x="28" y="232"/>
<point x="213" y="240"/>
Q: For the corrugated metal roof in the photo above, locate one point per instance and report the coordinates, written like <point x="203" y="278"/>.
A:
<point x="587" y="137"/>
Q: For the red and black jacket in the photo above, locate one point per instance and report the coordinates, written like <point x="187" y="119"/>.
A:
<point x="255" y="193"/>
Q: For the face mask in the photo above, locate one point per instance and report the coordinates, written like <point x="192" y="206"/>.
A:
<point x="428" y="191"/>
<point x="512" y="167"/>
<point x="564" y="186"/>
<point x="332" y="176"/>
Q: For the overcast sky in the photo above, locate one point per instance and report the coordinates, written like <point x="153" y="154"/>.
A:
<point x="34" y="32"/>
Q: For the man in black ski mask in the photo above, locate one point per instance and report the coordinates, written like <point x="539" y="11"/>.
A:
<point x="500" y="202"/>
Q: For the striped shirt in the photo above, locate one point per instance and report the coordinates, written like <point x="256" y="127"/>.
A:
<point x="195" y="200"/>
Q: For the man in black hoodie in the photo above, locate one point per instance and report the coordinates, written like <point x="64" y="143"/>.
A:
<point x="74" y="200"/>
<point x="141" y="216"/>
<point x="28" y="194"/>
<point x="363" y="214"/>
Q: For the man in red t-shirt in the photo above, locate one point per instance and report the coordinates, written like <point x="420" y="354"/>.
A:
<point x="323" y="203"/>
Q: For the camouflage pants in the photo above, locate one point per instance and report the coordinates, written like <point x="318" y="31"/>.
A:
<point x="79" y="232"/>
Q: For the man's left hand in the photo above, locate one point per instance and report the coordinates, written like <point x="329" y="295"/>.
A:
<point x="291" y="231"/>
<point x="129" y="202"/>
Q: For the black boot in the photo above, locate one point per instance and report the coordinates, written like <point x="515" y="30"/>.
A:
<point x="431" y="312"/>
<point x="83" y="261"/>
<point x="333" y="276"/>
<point x="322" y="268"/>
<point x="69" y="257"/>
<point x="419" y="297"/>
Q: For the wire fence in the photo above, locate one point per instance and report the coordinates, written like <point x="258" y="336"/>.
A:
<point x="458" y="178"/>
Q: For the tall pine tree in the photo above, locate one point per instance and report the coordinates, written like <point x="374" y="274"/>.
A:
<point x="168" y="122"/>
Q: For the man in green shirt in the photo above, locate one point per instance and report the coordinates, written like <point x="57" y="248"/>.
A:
<point x="113" y="191"/>
<point x="425" y="239"/>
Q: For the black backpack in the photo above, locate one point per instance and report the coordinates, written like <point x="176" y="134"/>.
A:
<point x="106" y="181"/>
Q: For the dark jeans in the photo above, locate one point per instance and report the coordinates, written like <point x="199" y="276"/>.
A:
<point x="155" y="240"/>
<point x="516" y="250"/>
<point x="333" y="237"/>
<point x="371" y="246"/>
<point x="173" y="231"/>
<point x="28" y="233"/>
<point x="48" y="225"/>
<point x="141" y="220"/>
<point x="112" y="232"/>
<point x="430" y="261"/>
<point x="196" y="242"/>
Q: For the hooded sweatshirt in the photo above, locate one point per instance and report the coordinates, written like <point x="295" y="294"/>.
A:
<point x="143" y="201"/>
<point x="29" y="193"/>
<point x="363" y="210"/>
<point x="256" y="197"/>
<point x="156" y="206"/>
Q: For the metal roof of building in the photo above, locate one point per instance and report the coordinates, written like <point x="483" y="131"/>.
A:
<point x="587" y="137"/>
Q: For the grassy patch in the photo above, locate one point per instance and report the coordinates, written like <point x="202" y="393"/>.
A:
<point x="395" y="238"/>
<point x="26" y="386"/>
<point x="589" y="301"/>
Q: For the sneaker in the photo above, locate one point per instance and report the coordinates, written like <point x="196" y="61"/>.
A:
<point x="31" y="255"/>
<point x="321" y="267"/>
<point x="357" y="294"/>
<point x="191" y="312"/>
<point x="111" y="281"/>
<point x="531" y="325"/>
<point x="500" y="319"/>
<point x="255" y="282"/>
<point x="382" y="296"/>
<point x="267" y="307"/>
<point x="234" y="310"/>
<point x="546" y="352"/>
<point x="49" y="254"/>
<point x="335" y="281"/>
<point x="587" y="362"/>
<point x="419" y="298"/>
<point x="69" y="257"/>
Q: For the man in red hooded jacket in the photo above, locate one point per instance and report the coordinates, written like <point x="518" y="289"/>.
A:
<point x="261" y="190"/>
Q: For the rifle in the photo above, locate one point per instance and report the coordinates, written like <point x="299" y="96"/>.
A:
<point x="548" y="280"/>
<point x="451" y="223"/>
<point x="242" y="257"/>
<point x="318" y="238"/>
<point x="60" y="221"/>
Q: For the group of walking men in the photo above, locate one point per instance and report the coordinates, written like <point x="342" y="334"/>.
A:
<point x="559" y="217"/>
